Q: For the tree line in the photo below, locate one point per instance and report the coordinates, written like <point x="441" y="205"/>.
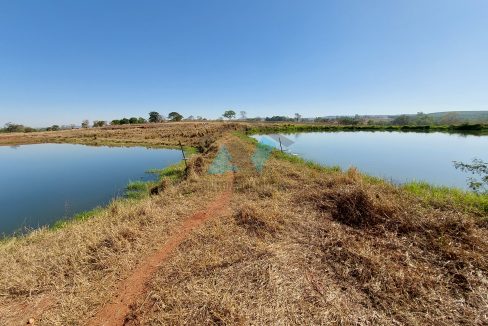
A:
<point x="419" y="119"/>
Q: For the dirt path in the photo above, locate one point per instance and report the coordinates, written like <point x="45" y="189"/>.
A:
<point x="134" y="286"/>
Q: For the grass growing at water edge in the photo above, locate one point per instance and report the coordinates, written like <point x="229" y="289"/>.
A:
<point x="440" y="196"/>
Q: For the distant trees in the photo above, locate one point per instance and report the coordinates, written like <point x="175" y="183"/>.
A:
<point x="53" y="128"/>
<point x="175" y="116"/>
<point x="401" y="120"/>
<point x="298" y="117"/>
<point x="278" y="118"/>
<point x="85" y="124"/>
<point x="229" y="114"/>
<point x="450" y="118"/>
<point x="125" y="121"/>
<point x="99" y="123"/>
<point x="420" y="119"/>
<point x="349" y="120"/>
<point x="243" y="115"/>
<point x="13" y="127"/>
<point x="155" y="117"/>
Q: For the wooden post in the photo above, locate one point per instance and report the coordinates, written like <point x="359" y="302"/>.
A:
<point x="183" y="153"/>
<point x="281" y="148"/>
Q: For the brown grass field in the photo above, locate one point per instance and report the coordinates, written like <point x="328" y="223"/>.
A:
<point x="295" y="244"/>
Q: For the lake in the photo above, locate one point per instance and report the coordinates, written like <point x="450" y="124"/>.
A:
<point x="43" y="183"/>
<point x="396" y="156"/>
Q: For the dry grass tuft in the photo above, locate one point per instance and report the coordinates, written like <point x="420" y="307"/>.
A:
<point x="253" y="221"/>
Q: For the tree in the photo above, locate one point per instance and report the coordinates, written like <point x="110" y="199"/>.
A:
<point x="298" y="116"/>
<point x="85" y="124"/>
<point x="141" y="120"/>
<point x="348" y="120"/>
<point x="124" y="121"/>
<point x="155" y="117"/>
<point x="191" y="118"/>
<point x="53" y="128"/>
<point x="115" y="122"/>
<point x="278" y="118"/>
<point x="478" y="168"/>
<point x="99" y="123"/>
<point x="229" y="114"/>
<point x="175" y="116"/>
<point x="12" y="127"/>
<point x="450" y="118"/>
<point x="402" y="120"/>
<point x="133" y="120"/>
<point x="422" y="119"/>
<point x="243" y="115"/>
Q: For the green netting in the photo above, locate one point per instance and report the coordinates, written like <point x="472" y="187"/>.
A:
<point x="222" y="162"/>
<point x="261" y="155"/>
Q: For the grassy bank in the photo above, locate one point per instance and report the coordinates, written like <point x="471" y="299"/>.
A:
<point x="436" y="196"/>
<point x="475" y="129"/>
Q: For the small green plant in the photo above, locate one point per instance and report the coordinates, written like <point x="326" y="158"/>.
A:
<point x="137" y="189"/>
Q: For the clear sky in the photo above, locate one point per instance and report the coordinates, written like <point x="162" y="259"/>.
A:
<point x="64" y="61"/>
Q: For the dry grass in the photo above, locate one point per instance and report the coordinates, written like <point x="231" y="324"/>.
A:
<point x="199" y="134"/>
<point x="300" y="246"/>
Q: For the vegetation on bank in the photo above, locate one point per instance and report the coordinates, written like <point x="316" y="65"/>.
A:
<point x="436" y="196"/>
<point x="439" y="196"/>
<point x="475" y="129"/>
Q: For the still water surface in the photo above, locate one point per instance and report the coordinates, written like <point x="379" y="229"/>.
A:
<point x="42" y="183"/>
<point x="396" y="156"/>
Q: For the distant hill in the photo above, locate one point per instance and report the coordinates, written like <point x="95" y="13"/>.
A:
<point x="466" y="116"/>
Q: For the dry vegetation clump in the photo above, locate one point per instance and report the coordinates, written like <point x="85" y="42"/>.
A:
<point x="252" y="219"/>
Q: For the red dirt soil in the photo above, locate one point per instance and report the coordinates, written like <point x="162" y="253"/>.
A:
<point x="134" y="286"/>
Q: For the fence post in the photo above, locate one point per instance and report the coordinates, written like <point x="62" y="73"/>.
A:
<point x="183" y="153"/>
<point x="281" y="148"/>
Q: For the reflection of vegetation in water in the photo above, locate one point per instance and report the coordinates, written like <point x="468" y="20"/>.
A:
<point x="479" y="169"/>
<point x="471" y="129"/>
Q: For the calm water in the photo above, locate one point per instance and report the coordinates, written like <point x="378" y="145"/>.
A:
<point x="44" y="183"/>
<point x="395" y="156"/>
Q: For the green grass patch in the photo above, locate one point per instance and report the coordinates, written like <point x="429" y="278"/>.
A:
<point x="138" y="189"/>
<point x="82" y="216"/>
<point x="438" y="196"/>
<point x="244" y="137"/>
<point x="174" y="172"/>
<point x="299" y="160"/>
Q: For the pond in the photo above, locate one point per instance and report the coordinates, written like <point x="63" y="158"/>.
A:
<point x="396" y="156"/>
<point x="43" y="183"/>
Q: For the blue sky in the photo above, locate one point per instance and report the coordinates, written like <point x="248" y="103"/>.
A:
<point x="64" y="61"/>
